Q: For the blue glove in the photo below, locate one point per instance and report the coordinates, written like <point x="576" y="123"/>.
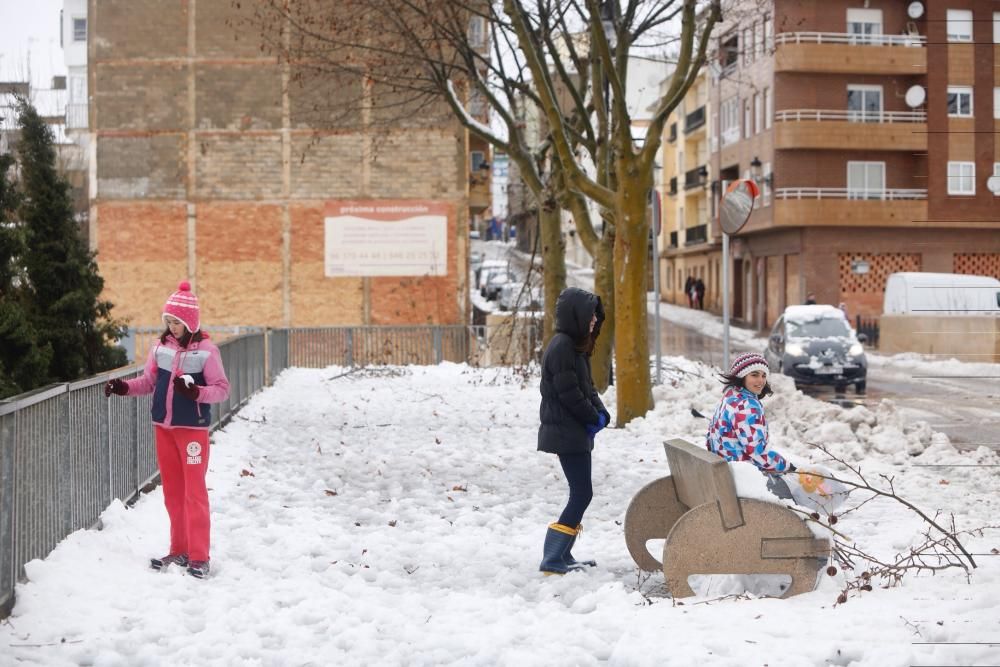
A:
<point x="593" y="429"/>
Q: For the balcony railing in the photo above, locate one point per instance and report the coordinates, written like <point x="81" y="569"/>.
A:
<point x="851" y="39"/>
<point x="76" y="117"/>
<point x="694" y="120"/>
<point x="697" y="234"/>
<point x="851" y="116"/>
<point x="883" y="194"/>
<point x="695" y="178"/>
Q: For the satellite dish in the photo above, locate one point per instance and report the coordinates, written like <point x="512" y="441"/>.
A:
<point x="915" y="10"/>
<point x="915" y="96"/>
<point x="993" y="185"/>
<point x="737" y="204"/>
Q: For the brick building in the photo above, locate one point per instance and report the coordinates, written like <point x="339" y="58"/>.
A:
<point x="210" y="163"/>
<point x="872" y="132"/>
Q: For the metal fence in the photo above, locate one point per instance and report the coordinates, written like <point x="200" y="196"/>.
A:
<point x="66" y="452"/>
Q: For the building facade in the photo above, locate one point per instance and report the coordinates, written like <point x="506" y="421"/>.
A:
<point x="871" y="129"/>
<point x="689" y="244"/>
<point x="210" y="163"/>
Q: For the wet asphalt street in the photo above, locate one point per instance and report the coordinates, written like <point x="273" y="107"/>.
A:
<point x="967" y="409"/>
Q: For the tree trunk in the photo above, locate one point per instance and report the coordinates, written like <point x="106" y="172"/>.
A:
<point x="604" y="287"/>
<point x="553" y="262"/>
<point x="635" y="396"/>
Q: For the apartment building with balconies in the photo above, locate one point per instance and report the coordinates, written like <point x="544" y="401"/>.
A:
<point x="689" y="246"/>
<point x="871" y="129"/>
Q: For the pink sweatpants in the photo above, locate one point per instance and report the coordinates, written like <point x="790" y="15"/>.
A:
<point x="183" y="457"/>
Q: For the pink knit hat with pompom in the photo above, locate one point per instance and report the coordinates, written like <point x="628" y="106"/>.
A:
<point x="183" y="305"/>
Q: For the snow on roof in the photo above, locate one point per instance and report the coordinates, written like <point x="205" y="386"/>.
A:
<point x="914" y="278"/>
<point x="812" y="312"/>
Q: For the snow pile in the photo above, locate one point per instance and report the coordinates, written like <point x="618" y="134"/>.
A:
<point x="396" y="516"/>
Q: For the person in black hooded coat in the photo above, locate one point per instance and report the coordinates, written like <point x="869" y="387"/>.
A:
<point x="571" y="414"/>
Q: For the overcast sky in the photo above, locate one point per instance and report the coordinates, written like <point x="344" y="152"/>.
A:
<point x="30" y="27"/>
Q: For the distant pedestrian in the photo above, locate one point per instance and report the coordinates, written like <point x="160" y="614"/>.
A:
<point x="699" y="290"/>
<point x="810" y="299"/>
<point x="184" y="374"/>
<point x="571" y="415"/>
<point x="688" y="284"/>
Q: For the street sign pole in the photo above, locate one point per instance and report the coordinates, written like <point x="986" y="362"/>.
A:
<point x="725" y="302"/>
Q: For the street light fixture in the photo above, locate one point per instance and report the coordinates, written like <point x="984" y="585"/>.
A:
<point x="756" y="169"/>
<point x="608" y="23"/>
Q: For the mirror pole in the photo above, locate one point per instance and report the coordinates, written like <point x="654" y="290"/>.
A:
<point x="656" y="277"/>
<point x="725" y="302"/>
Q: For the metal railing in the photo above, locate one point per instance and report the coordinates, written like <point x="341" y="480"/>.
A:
<point x="66" y="452"/>
<point x="694" y="120"/>
<point x="887" y="194"/>
<point x="696" y="234"/>
<point x="76" y="117"/>
<point x="849" y="38"/>
<point x="851" y="116"/>
<point x="695" y="178"/>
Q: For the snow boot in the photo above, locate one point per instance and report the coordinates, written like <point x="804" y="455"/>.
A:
<point x="571" y="562"/>
<point x="557" y="540"/>
<point x="198" y="569"/>
<point x="161" y="564"/>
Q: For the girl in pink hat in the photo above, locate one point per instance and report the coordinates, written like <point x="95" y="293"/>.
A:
<point x="738" y="431"/>
<point x="185" y="375"/>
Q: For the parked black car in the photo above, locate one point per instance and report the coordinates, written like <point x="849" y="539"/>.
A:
<point x="815" y="345"/>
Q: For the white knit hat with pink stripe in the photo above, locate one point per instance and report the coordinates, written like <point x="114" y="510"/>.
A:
<point x="183" y="305"/>
<point x="747" y="363"/>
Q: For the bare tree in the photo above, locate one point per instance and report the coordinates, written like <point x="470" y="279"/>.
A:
<point x="414" y="56"/>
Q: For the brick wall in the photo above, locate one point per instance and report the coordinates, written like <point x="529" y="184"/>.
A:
<point x="213" y="163"/>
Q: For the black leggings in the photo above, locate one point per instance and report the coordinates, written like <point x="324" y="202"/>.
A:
<point x="576" y="467"/>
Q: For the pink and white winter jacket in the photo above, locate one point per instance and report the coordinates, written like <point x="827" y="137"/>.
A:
<point x="202" y="361"/>
<point x="738" y="431"/>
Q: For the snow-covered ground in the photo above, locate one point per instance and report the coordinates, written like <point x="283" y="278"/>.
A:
<point x="396" y="516"/>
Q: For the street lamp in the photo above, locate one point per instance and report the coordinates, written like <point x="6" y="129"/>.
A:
<point x="756" y="169"/>
<point x="608" y="23"/>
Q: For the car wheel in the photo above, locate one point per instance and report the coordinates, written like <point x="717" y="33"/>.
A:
<point x="859" y="387"/>
<point x="840" y="388"/>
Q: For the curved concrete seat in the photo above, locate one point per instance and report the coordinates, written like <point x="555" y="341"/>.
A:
<point x="710" y="530"/>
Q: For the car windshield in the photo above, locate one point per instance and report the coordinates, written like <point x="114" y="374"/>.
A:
<point x="826" y="327"/>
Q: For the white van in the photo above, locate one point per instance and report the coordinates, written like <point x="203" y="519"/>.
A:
<point x="941" y="294"/>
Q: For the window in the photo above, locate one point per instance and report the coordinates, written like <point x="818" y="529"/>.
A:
<point x="769" y="33"/>
<point x="730" y="51"/>
<point x="747" y="46"/>
<point x="865" y="180"/>
<point x="959" y="25"/>
<point x="766" y="186"/>
<point x="758" y="114"/>
<point x="747" y="119"/>
<point x="477" y="103"/>
<point x="996" y="27"/>
<point x="79" y="30"/>
<point x="960" y="101"/>
<point x="768" y="108"/>
<point x="730" y="120"/>
<point x="477" y="32"/>
<point x="758" y="39"/>
<point x="864" y="25"/>
<point x="996" y="175"/>
<point x="477" y="160"/>
<point x="996" y="103"/>
<point x="864" y="104"/>
<point x="961" y="178"/>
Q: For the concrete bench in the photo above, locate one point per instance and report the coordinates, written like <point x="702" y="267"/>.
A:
<point x="710" y="530"/>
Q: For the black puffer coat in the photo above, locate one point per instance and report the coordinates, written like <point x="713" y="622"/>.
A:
<point x="569" y="400"/>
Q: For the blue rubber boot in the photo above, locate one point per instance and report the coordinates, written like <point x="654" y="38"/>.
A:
<point x="572" y="563"/>
<point x="557" y="540"/>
